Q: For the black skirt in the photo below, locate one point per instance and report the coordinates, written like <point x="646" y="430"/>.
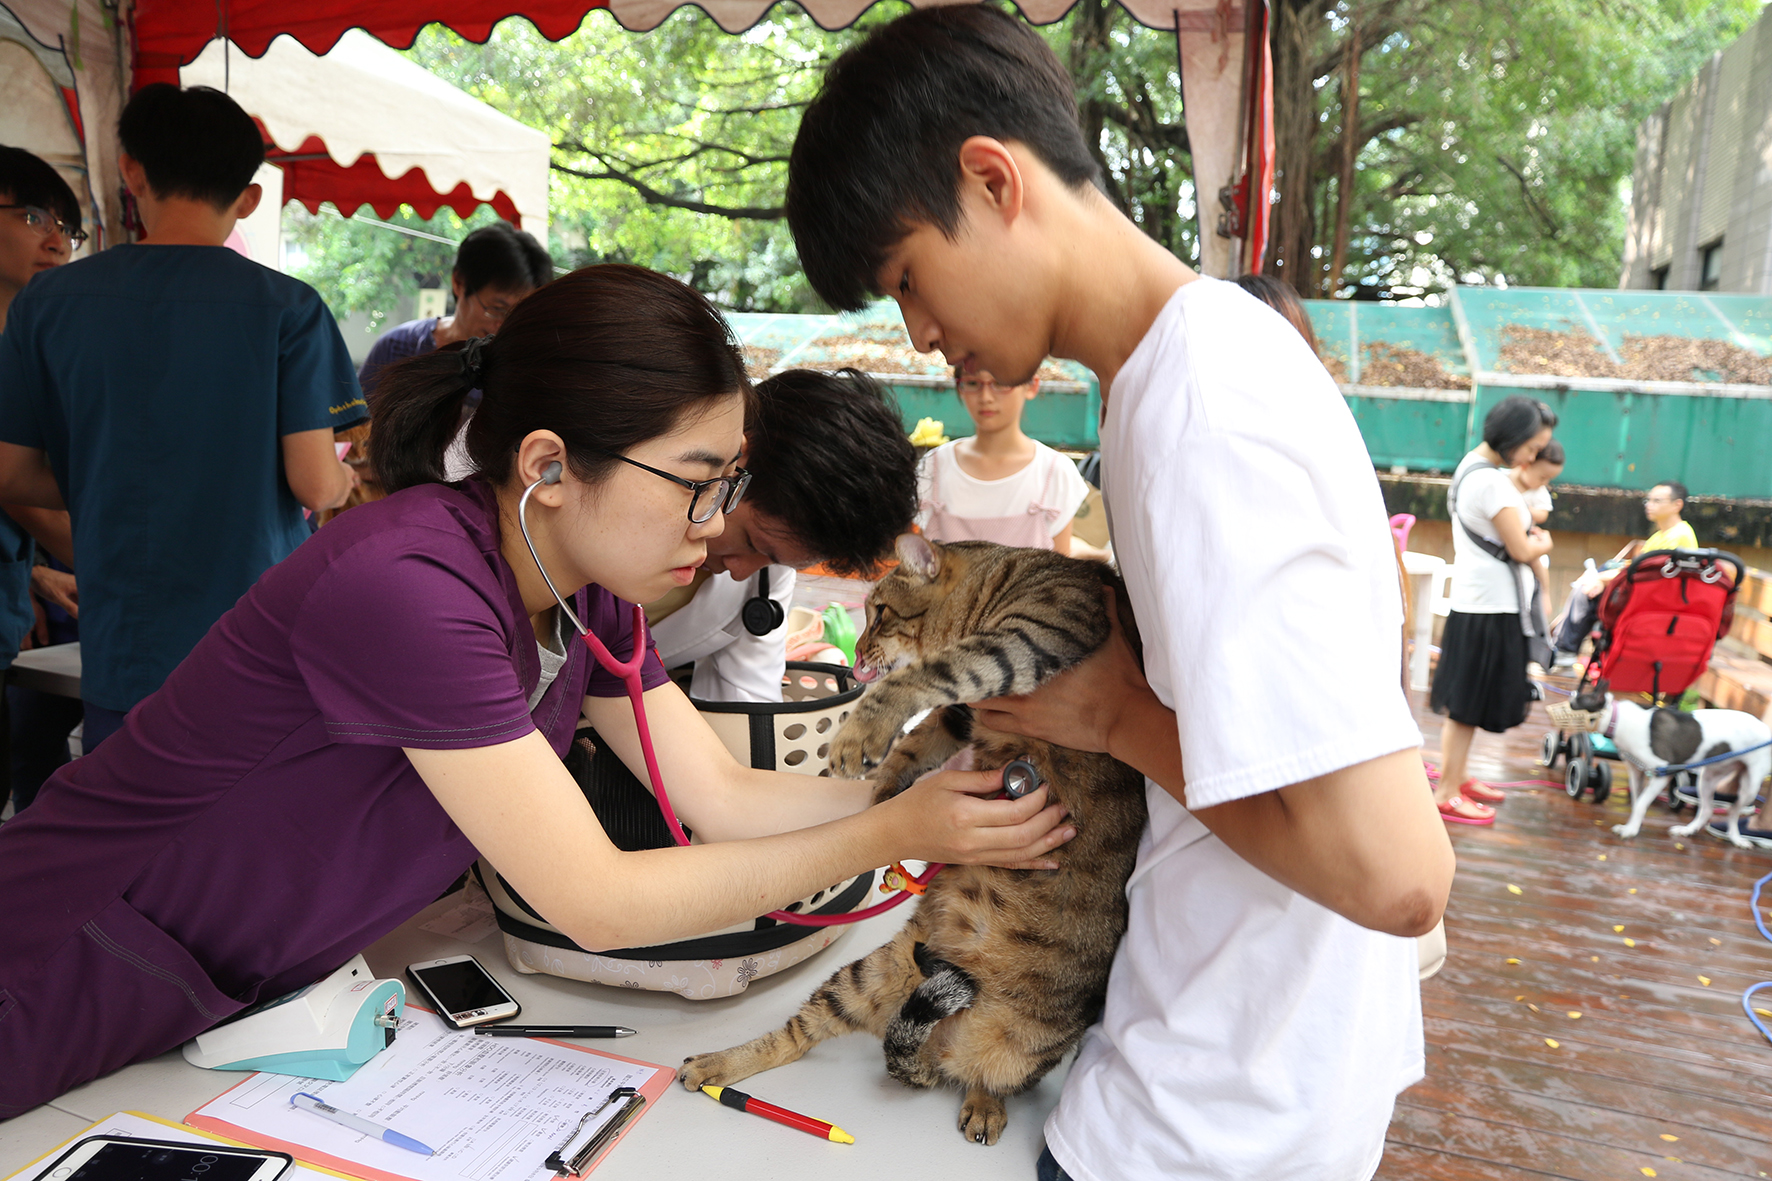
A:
<point x="1481" y="677"/>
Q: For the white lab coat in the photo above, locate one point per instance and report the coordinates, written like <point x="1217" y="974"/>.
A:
<point x="730" y="663"/>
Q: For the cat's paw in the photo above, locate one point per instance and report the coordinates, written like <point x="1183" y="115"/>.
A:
<point x="863" y="743"/>
<point x="712" y="1070"/>
<point x="982" y="1117"/>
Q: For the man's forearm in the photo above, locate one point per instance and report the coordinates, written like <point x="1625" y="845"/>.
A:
<point x="26" y="478"/>
<point x="49" y="527"/>
<point x="1365" y="841"/>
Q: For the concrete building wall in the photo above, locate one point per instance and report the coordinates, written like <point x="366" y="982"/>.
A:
<point x="1702" y="177"/>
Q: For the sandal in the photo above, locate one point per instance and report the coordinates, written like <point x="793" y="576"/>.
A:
<point x="1482" y="793"/>
<point x="1459" y="810"/>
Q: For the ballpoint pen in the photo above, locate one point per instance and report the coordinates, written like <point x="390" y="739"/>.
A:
<point x="729" y="1097"/>
<point x="357" y="1123"/>
<point x="555" y="1030"/>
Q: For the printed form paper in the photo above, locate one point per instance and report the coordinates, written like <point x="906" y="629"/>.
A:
<point x="492" y="1108"/>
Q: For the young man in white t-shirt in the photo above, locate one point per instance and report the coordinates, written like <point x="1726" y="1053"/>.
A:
<point x="1263" y="1010"/>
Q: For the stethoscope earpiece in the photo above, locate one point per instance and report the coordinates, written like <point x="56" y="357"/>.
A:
<point x="551" y="473"/>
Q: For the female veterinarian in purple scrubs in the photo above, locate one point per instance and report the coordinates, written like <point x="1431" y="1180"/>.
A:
<point x="375" y="713"/>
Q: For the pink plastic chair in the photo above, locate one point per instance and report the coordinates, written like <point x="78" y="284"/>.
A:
<point x="1400" y="526"/>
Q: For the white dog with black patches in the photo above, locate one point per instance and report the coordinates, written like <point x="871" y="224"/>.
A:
<point x="1654" y="738"/>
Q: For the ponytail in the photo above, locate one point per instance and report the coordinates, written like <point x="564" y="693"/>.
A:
<point x="606" y="357"/>
<point x="418" y="407"/>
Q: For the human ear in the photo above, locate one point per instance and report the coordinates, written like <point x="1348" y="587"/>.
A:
<point x="135" y="177"/>
<point x="248" y="201"/>
<point x="989" y="169"/>
<point x="455" y="285"/>
<point x="538" y="450"/>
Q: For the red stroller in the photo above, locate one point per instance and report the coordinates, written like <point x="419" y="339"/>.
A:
<point x="1659" y="621"/>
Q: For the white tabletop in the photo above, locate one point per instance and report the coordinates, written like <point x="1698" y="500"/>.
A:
<point x="55" y="669"/>
<point x="899" y="1131"/>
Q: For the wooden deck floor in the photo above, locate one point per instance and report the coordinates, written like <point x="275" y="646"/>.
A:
<point x="1650" y="941"/>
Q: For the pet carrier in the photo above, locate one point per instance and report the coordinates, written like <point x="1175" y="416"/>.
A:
<point x="793" y="735"/>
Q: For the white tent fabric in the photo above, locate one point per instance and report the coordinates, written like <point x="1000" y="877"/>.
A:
<point x="365" y="98"/>
<point x="48" y="50"/>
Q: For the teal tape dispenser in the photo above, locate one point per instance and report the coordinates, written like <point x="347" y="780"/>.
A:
<point x="326" y="1030"/>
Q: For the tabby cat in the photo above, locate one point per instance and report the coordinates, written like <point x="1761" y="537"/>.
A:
<point x="998" y="972"/>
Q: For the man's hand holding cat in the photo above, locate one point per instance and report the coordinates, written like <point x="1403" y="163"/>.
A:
<point x="1088" y="707"/>
<point x="945" y="817"/>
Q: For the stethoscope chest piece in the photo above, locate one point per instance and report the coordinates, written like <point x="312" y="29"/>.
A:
<point x="1019" y="778"/>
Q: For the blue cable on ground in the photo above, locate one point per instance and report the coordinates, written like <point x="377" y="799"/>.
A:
<point x="1747" y="997"/>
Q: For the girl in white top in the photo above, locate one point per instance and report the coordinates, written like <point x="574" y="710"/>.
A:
<point x="999" y="485"/>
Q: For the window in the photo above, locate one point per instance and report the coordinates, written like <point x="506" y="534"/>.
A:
<point x="1710" y="266"/>
<point x="1658" y="278"/>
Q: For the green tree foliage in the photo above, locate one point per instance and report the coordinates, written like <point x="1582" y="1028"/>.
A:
<point x="361" y="267"/>
<point x="1491" y="142"/>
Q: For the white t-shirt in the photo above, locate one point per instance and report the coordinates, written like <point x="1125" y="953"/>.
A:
<point x="1483" y="584"/>
<point x="1249" y="1033"/>
<point x="1050" y="480"/>
<point x="1538" y="500"/>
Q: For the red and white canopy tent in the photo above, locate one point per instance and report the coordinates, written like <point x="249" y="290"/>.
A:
<point x="1222" y="49"/>
<point x="366" y="125"/>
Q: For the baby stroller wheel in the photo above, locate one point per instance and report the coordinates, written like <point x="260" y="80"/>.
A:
<point x="1581" y="746"/>
<point x="1550" y="749"/>
<point x="1575" y="778"/>
<point x="1599" y="777"/>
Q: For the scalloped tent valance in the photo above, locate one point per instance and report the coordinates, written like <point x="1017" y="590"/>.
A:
<point x="365" y="125"/>
<point x="1226" y="89"/>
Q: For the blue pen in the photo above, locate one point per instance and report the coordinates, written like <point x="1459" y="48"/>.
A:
<point x="357" y="1123"/>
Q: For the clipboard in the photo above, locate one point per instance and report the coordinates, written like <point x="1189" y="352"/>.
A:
<point x="492" y="1108"/>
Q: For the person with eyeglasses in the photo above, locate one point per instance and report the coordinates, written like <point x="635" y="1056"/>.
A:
<point x="1664" y="505"/>
<point x="119" y="370"/>
<point x="393" y="701"/>
<point x="496" y="268"/>
<point x="40" y="228"/>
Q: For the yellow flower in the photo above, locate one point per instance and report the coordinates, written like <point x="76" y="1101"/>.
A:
<point x="928" y="433"/>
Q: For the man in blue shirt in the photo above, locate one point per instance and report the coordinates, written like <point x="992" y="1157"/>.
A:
<point x="177" y="398"/>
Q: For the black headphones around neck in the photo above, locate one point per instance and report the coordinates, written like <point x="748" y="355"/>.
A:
<point x="762" y="614"/>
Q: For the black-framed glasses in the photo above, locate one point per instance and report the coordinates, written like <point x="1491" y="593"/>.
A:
<point x="43" y="221"/>
<point x="707" y="497"/>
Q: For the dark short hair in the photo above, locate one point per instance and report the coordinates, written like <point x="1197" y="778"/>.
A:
<point x="1545" y="414"/>
<point x="195" y="143"/>
<point x="829" y="459"/>
<point x="502" y="257"/>
<point x="1674" y="486"/>
<point x="1552" y="454"/>
<point x="1513" y="422"/>
<point x="606" y="357"/>
<point x="878" y="150"/>
<point x="1279" y="296"/>
<point x="28" y="180"/>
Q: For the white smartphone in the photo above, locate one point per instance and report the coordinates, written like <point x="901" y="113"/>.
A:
<point x="463" y="992"/>
<point x="123" y="1158"/>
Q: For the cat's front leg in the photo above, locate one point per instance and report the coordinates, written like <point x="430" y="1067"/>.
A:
<point x="864" y="741"/>
<point x="938" y="738"/>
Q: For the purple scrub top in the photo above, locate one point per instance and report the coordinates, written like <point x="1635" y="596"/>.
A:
<point x="255" y="823"/>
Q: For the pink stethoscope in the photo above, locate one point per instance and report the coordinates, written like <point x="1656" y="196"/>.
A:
<point x="628" y="672"/>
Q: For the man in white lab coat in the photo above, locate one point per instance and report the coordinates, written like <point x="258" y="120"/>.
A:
<point x="833" y="482"/>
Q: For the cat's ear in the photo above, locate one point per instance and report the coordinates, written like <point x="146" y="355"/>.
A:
<point x="918" y="556"/>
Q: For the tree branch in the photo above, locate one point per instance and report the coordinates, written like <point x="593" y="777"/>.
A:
<point x="653" y="197"/>
<point x="1532" y="203"/>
